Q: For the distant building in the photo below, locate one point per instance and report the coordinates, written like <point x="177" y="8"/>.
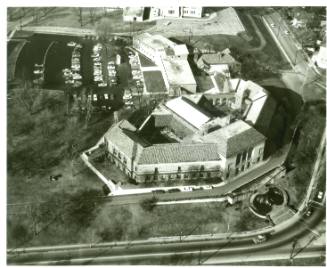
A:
<point x="177" y="12"/>
<point x="133" y="14"/>
<point x="218" y="62"/>
<point x="170" y="57"/>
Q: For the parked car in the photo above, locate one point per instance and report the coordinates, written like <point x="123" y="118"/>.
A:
<point x="259" y="239"/>
<point x="71" y="44"/>
<point x="95" y="98"/>
<point x="272" y="25"/>
<point x="286" y="32"/>
<point x="159" y="191"/>
<point x="102" y="84"/>
<point x="106" y="97"/>
<point x="174" y="190"/>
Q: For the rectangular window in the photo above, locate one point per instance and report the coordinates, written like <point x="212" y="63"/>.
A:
<point x="179" y="169"/>
<point x="229" y="167"/>
<point x="258" y="159"/>
<point x="250" y="153"/>
<point x="171" y="11"/>
<point x="242" y="168"/>
<point x="185" y="176"/>
<point x="244" y="156"/>
<point x="178" y="176"/>
<point x="236" y="171"/>
<point x="125" y="161"/>
<point x="238" y="158"/>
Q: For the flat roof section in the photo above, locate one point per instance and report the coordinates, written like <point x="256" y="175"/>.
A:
<point x="188" y="112"/>
<point x="178" y="72"/>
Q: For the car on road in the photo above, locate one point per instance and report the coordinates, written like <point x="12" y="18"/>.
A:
<point x="159" y="191"/>
<point x="286" y="32"/>
<point x="95" y="98"/>
<point x="320" y="195"/>
<point x="187" y="189"/>
<point x="207" y="187"/>
<point x="309" y="212"/>
<point x="259" y="239"/>
<point x="273" y="25"/>
<point x="174" y="190"/>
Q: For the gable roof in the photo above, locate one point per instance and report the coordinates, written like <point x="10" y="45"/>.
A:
<point x="234" y="138"/>
<point x="123" y="136"/>
<point x="179" y="152"/>
<point x="217" y="58"/>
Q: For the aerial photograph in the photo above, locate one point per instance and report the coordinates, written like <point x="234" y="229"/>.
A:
<point x="177" y="135"/>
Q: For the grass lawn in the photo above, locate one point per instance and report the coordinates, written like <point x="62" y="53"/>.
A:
<point x="132" y="222"/>
<point x="154" y="82"/>
<point x="91" y="17"/>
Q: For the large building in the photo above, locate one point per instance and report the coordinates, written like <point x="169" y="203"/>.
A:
<point x="186" y="138"/>
<point x="171" y="59"/>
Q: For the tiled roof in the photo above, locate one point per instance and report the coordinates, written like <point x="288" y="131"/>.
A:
<point x="123" y="136"/>
<point x="218" y="58"/>
<point x="234" y="138"/>
<point x="179" y="152"/>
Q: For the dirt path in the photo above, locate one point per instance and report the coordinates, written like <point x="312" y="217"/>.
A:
<point x="257" y="31"/>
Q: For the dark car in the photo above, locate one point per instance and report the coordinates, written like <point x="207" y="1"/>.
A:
<point x="174" y="190"/>
<point x="159" y="191"/>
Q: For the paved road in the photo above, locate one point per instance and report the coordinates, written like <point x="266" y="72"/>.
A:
<point x="305" y="76"/>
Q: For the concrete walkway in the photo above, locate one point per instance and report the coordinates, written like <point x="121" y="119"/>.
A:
<point x="204" y="200"/>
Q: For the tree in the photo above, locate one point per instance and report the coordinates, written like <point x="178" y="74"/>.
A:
<point x="149" y="203"/>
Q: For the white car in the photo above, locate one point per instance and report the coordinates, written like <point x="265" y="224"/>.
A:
<point x="102" y="84"/>
<point x="187" y="189"/>
<point x="286" y="32"/>
<point x="95" y="98"/>
<point x="78" y="46"/>
<point x="111" y="63"/>
<point x="320" y="195"/>
<point x="273" y="25"/>
<point x="106" y="97"/>
<point x="71" y="44"/>
<point x="207" y="187"/>
<point x="77" y="76"/>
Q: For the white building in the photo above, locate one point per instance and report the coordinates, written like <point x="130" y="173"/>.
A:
<point x="175" y="12"/>
<point x="170" y="57"/>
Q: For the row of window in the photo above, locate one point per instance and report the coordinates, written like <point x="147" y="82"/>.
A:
<point x="191" y="175"/>
<point x="118" y="154"/>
